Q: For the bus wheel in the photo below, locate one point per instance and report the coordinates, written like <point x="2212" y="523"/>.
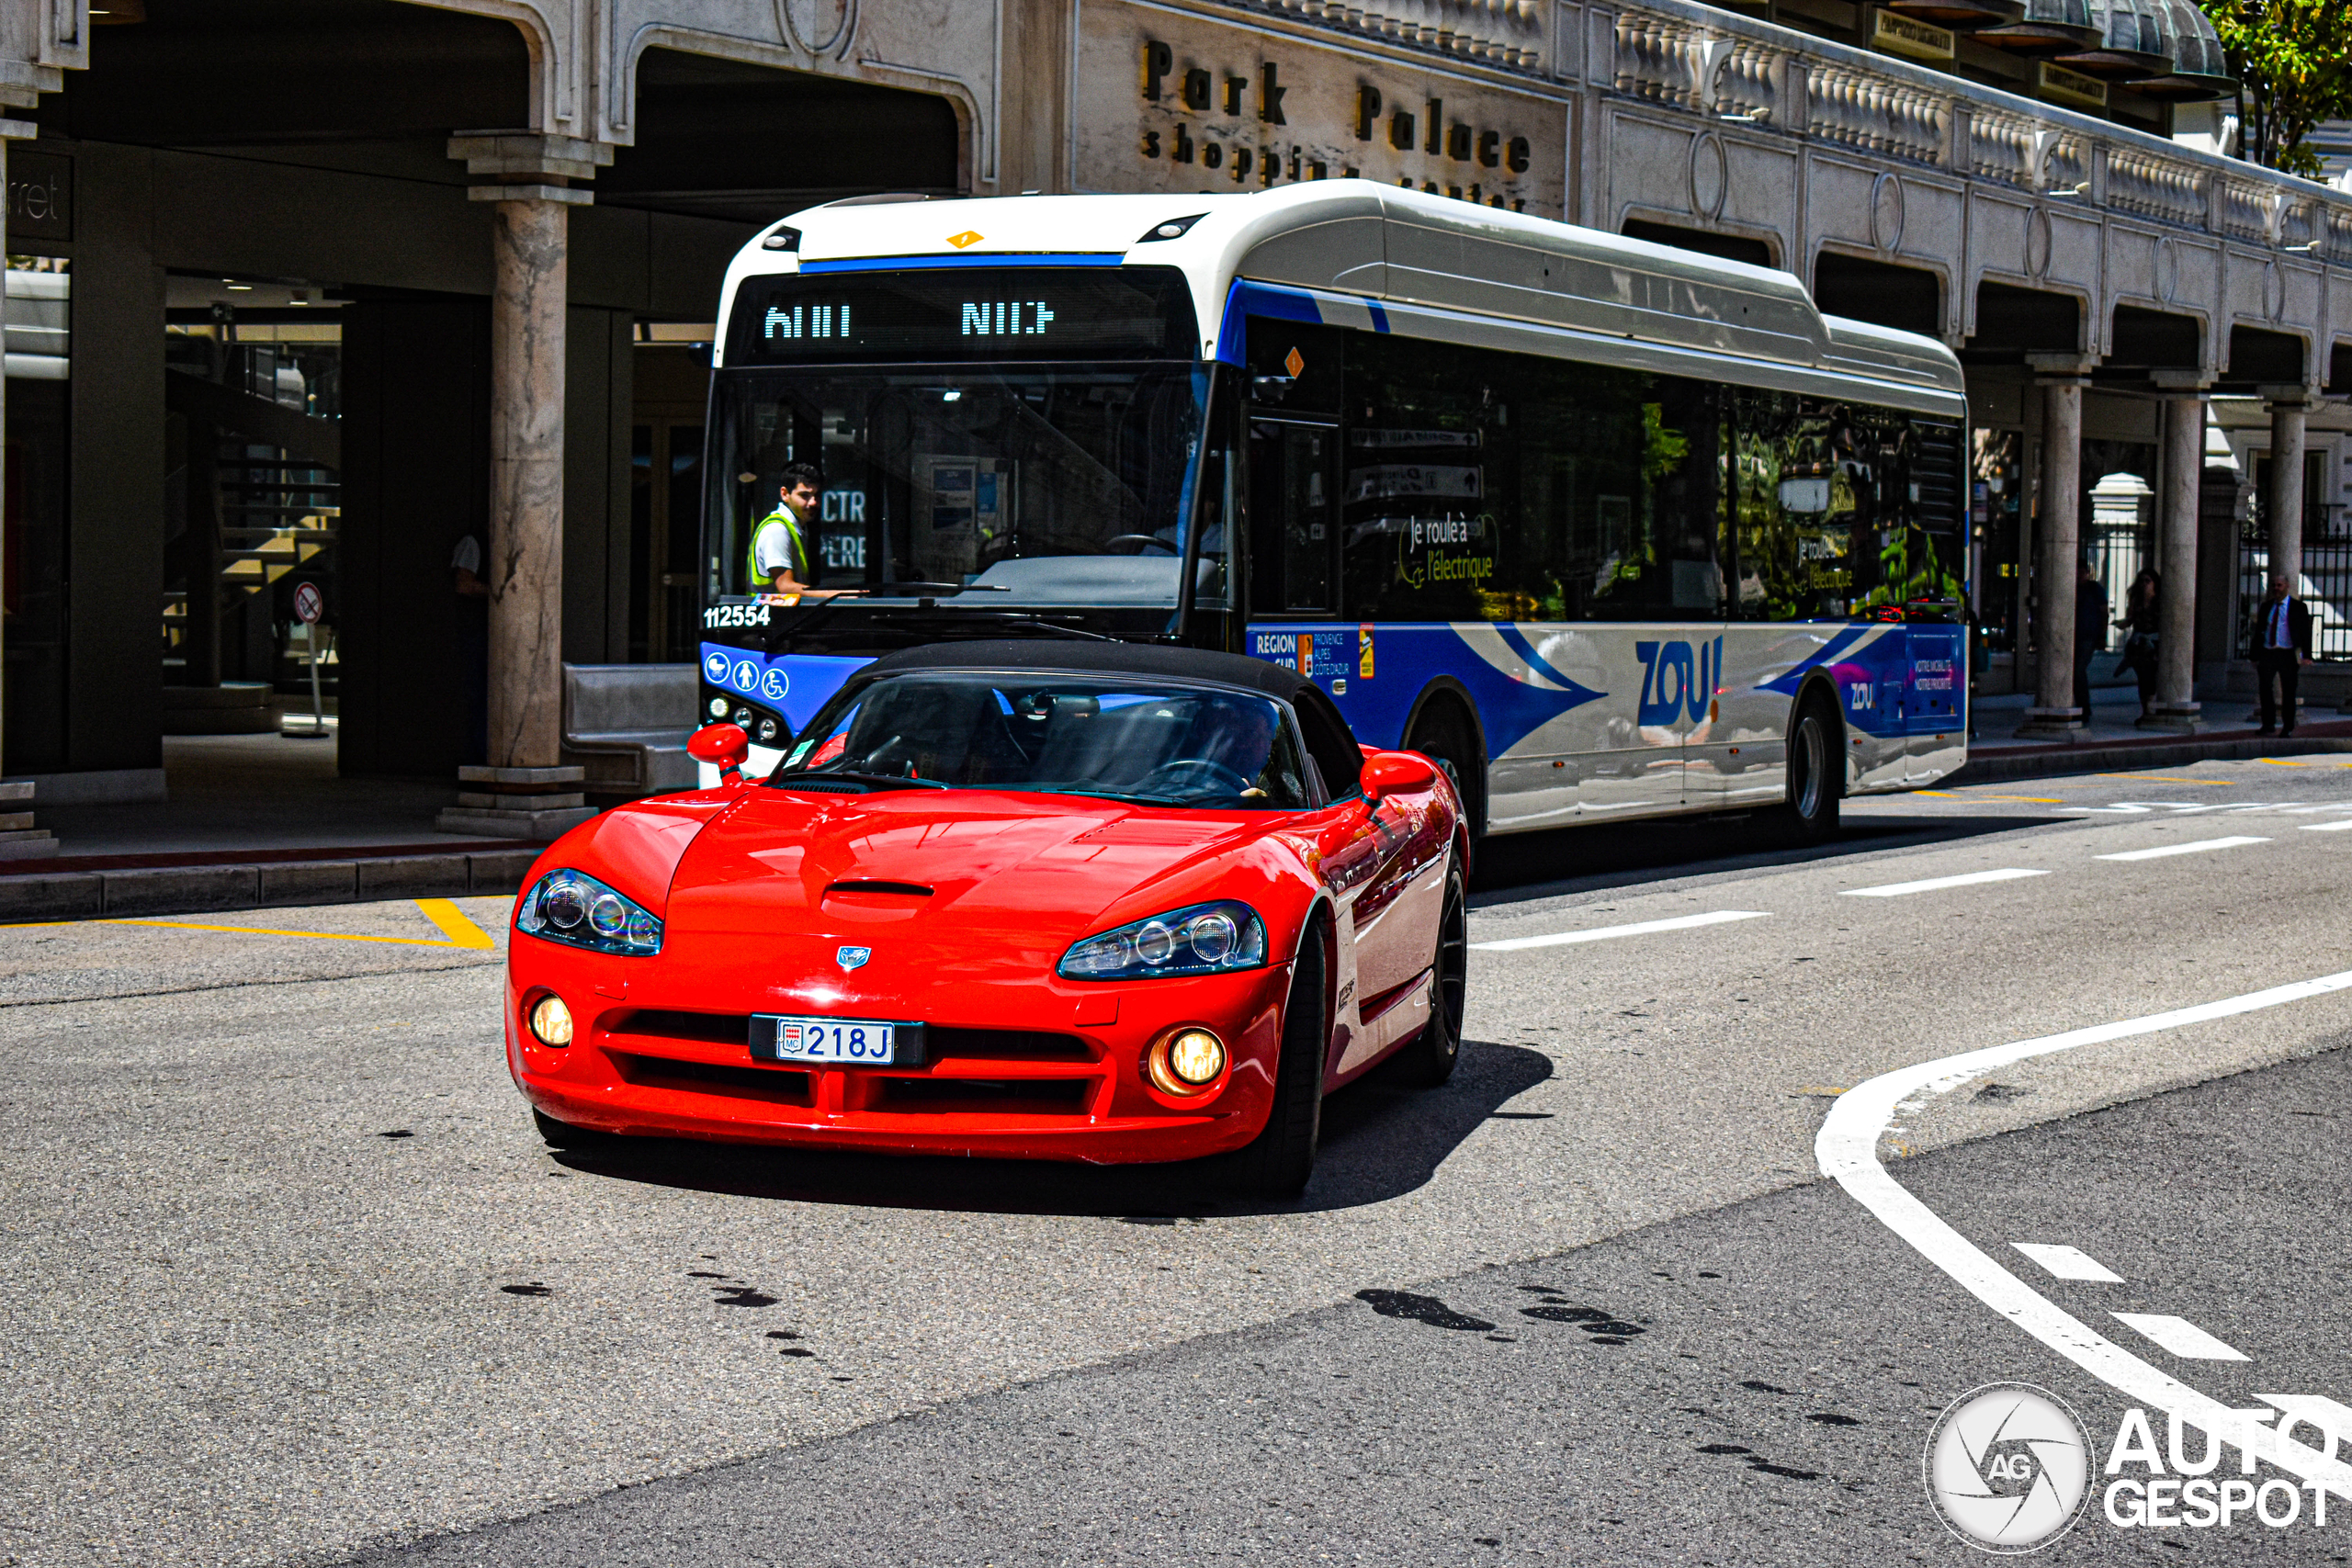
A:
<point x="1446" y="738"/>
<point x="1813" y="774"/>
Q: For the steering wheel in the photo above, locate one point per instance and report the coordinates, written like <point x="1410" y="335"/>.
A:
<point x="1146" y="541"/>
<point x="1191" y="773"/>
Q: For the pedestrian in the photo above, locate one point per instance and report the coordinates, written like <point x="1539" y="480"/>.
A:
<point x="779" y="562"/>
<point x="2140" y="625"/>
<point x="467" y="580"/>
<point x="2090" y="633"/>
<point x="2282" y="645"/>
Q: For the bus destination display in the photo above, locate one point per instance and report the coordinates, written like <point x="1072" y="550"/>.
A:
<point x="964" y="313"/>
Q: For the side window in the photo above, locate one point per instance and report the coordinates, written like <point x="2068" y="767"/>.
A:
<point x="1486" y="486"/>
<point x="1838" y="507"/>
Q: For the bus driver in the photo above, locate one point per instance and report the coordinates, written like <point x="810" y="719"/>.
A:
<point x="779" y="553"/>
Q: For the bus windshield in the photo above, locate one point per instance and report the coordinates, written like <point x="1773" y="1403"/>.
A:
<point x="1027" y="432"/>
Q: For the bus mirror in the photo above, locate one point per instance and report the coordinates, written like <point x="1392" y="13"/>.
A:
<point x="1396" y="772"/>
<point x="723" y="746"/>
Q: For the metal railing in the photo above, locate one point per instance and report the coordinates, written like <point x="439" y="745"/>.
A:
<point x="2327" y="589"/>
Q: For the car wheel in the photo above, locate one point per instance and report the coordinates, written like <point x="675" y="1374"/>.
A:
<point x="1277" y="1162"/>
<point x="1814" y="773"/>
<point x="564" y="1136"/>
<point x="1429" y="1061"/>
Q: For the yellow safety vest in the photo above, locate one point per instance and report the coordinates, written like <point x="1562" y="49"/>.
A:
<point x="798" y="551"/>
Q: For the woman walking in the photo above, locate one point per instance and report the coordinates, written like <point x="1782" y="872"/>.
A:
<point x="2139" y="623"/>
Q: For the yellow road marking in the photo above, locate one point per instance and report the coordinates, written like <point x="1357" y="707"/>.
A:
<point x="458" y="930"/>
<point x="2167" y="778"/>
<point x="461" y="931"/>
<point x="2024" y="799"/>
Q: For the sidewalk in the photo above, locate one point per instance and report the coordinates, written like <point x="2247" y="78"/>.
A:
<point x="254" y="821"/>
<point x="2113" y="739"/>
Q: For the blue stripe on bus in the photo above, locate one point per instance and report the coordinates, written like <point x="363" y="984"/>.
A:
<point x="998" y="258"/>
<point x="1379" y="317"/>
<point x="1246" y="300"/>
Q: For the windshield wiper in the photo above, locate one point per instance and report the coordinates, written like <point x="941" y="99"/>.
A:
<point x="878" y="780"/>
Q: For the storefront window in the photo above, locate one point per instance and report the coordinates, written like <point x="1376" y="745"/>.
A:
<point x="33" y="512"/>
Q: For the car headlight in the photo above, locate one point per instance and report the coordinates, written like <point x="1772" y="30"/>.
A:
<point x="573" y="906"/>
<point x="1200" y="939"/>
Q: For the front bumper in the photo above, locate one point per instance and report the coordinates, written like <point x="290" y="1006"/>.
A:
<point x="1056" y="1075"/>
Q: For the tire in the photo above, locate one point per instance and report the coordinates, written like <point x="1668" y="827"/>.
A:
<point x="564" y="1136"/>
<point x="1277" y="1162"/>
<point x="1445" y="737"/>
<point x="1817" y="773"/>
<point x="1429" y="1060"/>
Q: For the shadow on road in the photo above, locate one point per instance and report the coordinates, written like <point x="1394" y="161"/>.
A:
<point x="1380" y="1141"/>
<point x="1577" y="860"/>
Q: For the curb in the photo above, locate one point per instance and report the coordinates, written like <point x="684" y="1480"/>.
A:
<point x="2105" y="756"/>
<point x="203" y="889"/>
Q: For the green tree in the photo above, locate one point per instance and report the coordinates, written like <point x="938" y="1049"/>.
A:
<point x="2293" y="62"/>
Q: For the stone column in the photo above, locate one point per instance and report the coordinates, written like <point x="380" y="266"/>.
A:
<point x="2184" y="472"/>
<point x="2057" y="548"/>
<point x="2284" y="504"/>
<point x="526" y="791"/>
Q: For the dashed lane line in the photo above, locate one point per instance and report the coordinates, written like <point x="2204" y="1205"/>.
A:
<point x="2199" y="846"/>
<point x="2327" y="827"/>
<point x="456" y="929"/>
<point x="2068" y="1262"/>
<point x="2179" y="1335"/>
<point x="1605" y="933"/>
<point x="1966" y="879"/>
<point x="1846" y="1149"/>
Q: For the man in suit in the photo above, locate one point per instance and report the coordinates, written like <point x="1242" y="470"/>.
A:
<point x="2282" y="645"/>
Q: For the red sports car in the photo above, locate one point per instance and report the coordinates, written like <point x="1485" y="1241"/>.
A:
<point x="1051" y="899"/>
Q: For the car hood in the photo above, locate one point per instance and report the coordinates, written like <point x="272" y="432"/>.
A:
<point x="1030" y="868"/>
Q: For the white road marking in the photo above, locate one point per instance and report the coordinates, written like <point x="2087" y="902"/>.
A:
<point x="2179" y="1335"/>
<point x="1897" y="889"/>
<point x="2199" y="846"/>
<point x="1847" y="1148"/>
<point x="2327" y="827"/>
<point x="1603" y="934"/>
<point x="2068" y="1262"/>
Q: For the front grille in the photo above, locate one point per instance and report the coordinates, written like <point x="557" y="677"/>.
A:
<point x="709" y="1028"/>
<point x="1005" y="1046"/>
<point x="776" y="1085"/>
<point x="1002" y="1097"/>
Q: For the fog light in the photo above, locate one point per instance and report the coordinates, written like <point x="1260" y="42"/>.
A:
<point x="551" y="1021"/>
<point x="1188" y="1062"/>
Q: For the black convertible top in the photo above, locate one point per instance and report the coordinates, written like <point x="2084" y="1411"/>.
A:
<point x="1328" y="739"/>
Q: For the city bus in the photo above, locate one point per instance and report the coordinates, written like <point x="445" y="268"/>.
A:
<point x="1608" y="530"/>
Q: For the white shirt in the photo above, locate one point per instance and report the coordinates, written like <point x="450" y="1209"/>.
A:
<point x="467" y="557"/>
<point x="2282" y="633"/>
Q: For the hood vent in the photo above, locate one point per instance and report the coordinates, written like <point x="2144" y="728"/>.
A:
<point x="905" y="889"/>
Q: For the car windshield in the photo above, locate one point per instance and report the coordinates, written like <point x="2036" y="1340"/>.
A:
<point x="1164" y="743"/>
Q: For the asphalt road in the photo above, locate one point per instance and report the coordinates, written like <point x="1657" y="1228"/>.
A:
<point x="291" y="1278"/>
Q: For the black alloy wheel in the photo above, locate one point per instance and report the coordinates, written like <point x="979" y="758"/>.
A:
<point x="1276" y="1163"/>
<point x="1429" y="1060"/>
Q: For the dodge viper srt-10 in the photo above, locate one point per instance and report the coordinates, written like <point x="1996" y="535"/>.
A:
<point x="1045" y="899"/>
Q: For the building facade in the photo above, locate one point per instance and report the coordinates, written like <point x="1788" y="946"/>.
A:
<point x="355" y="293"/>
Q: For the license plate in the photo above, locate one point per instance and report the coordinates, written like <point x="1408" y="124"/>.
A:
<point x="836" y="1042"/>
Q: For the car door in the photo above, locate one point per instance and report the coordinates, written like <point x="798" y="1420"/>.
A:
<point x="1398" y="849"/>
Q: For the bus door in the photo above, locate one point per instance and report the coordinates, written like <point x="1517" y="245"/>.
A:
<point x="1294" y="517"/>
<point x="1936" y="707"/>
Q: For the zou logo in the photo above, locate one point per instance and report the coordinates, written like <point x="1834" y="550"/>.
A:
<point x="1678" y="679"/>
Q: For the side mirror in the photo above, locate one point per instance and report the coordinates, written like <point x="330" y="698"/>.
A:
<point x="724" y="746"/>
<point x="1396" y="772"/>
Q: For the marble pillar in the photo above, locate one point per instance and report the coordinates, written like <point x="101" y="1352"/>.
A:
<point x="2057" y="548"/>
<point x="2284" y="504"/>
<point x="525" y="572"/>
<point x="2184" y="473"/>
